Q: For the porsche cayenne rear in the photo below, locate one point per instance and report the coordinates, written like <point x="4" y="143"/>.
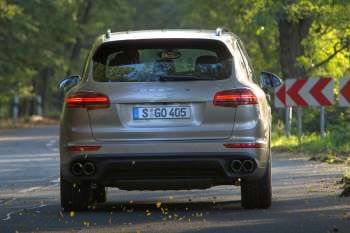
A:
<point x="165" y="110"/>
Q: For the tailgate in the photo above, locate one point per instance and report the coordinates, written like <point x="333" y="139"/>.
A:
<point x="200" y="119"/>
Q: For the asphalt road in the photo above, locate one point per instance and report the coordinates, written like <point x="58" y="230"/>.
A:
<point x="306" y="198"/>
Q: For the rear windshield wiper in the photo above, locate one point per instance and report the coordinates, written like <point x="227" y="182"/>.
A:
<point x="165" y="78"/>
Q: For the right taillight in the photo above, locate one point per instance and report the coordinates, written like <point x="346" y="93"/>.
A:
<point x="235" y="97"/>
<point x="80" y="148"/>
<point x="87" y="99"/>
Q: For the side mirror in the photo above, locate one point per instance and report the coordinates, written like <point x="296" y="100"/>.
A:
<point x="69" y="82"/>
<point x="269" y="80"/>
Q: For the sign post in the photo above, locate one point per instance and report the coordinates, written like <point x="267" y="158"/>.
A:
<point x="322" y="121"/>
<point x="288" y="120"/>
<point x="299" y="123"/>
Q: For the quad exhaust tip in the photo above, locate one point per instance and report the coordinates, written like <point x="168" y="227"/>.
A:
<point x="77" y="169"/>
<point x="248" y="166"/>
<point x="245" y="166"/>
<point x="236" y="166"/>
<point x="87" y="169"/>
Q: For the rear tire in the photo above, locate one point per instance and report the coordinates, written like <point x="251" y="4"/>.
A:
<point x="75" y="197"/>
<point x="257" y="194"/>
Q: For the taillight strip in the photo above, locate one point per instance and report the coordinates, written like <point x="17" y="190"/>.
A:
<point x="81" y="148"/>
<point x="245" y="145"/>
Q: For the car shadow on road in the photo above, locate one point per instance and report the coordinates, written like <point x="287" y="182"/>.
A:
<point x="184" y="206"/>
<point x="209" y="216"/>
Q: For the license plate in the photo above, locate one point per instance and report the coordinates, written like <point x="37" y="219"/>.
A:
<point x="161" y="112"/>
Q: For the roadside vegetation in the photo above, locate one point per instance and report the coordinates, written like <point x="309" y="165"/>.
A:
<point x="334" y="147"/>
<point x="43" y="41"/>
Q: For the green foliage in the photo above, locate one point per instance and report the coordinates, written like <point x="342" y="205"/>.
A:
<point x="329" y="38"/>
<point x="42" y="41"/>
<point x="248" y="19"/>
<point x="332" y="148"/>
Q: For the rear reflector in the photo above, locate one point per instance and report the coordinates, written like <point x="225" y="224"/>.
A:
<point x="235" y="97"/>
<point x="78" y="148"/>
<point x="244" y="145"/>
<point x="87" y="99"/>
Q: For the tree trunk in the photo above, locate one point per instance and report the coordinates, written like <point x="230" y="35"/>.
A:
<point x="83" y="18"/>
<point x="291" y="35"/>
<point x="41" y="85"/>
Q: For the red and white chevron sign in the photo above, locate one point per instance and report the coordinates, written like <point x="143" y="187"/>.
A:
<point x="305" y="92"/>
<point x="280" y="96"/>
<point x="344" y="94"/>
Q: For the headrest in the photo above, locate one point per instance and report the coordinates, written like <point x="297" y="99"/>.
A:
<point x="125" y="58"/>
<point x="203" y="63"/>
<point x="164" y="66"/>
<point x="206" y="60"/>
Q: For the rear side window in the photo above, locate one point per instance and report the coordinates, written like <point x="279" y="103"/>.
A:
<point x="162" y="60"/>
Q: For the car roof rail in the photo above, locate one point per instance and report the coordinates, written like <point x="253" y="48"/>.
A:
<point x="220" y="30"/>
<point x="108" y="33"/>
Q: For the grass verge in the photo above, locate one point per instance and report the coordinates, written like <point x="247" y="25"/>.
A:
<point x="334" y="147"/>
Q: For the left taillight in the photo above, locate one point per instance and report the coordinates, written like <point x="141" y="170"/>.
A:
<point x="87" y="99"/>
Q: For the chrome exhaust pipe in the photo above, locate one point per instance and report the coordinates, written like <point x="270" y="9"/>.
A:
<point x="77" y="169"/>
<point x="236" y="166"/>
<point x="89" y="169"/>
<point x="248" y="166"/>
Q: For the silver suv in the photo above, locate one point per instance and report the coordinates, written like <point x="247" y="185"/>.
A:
<point x="166" y="110"/>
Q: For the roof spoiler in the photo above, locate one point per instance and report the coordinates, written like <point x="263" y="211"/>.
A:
<point x="220" y="30"/>
<point x="108" y="33"/>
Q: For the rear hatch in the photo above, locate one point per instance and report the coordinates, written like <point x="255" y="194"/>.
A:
<point x="162" y="90"/>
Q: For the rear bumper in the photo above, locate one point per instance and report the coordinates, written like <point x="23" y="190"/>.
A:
<point x="159" y="171"/>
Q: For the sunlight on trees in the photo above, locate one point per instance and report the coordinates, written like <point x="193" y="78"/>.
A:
<point x="42" y="41"/>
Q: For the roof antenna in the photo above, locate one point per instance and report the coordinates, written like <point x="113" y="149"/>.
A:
<point x="108" y="33"/>
<point x="220" y="30"/>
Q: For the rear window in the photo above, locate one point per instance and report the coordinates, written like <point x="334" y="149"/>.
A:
<point x="162" y="60"/>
